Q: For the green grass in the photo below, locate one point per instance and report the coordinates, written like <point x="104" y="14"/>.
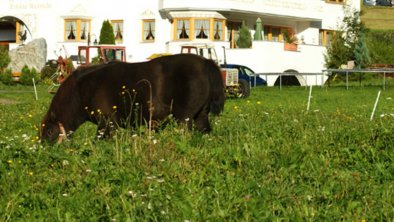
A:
<point x="267" y="159"/>
<point x="378" y="18"/>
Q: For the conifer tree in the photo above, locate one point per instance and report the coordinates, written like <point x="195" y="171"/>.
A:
<point x="361" y="53"/>
<point x="245" y="37"/>
<point x="107" y="33"/>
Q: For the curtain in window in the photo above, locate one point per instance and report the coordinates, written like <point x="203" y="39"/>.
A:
<point x="218" y="30"/>
<point x="84" y="30"/>
<point x="149" y="30"/>
<point x="118" y="30"/>
<point x="201" y="29"/>
<point x="183" y="29"/>
<point x="70" y="30"/>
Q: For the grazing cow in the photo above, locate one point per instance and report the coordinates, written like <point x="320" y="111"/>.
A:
<point x="186" y="86"/>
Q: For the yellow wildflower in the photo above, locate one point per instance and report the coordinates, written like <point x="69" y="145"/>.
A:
<point x="114" y="107"/>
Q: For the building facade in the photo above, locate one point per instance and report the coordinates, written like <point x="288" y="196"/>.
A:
<point x="162" y="26"/>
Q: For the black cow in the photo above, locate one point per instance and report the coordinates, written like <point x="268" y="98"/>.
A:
<point x="128" y="94"/>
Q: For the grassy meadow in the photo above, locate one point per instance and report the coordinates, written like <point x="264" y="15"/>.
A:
<point x="378" y="17"/>
<point x="267" y="159"/>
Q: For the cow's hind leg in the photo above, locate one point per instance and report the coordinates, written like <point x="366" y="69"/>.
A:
<point x="201" y="120"/>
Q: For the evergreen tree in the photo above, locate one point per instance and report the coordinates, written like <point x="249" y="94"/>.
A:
<point x="361" y="53"/>
<point x="245" y="37"/>
<point x="107" y="33"/>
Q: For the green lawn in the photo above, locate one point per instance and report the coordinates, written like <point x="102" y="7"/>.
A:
<point x="267" y="159"/>
<point x="378" y="18"/>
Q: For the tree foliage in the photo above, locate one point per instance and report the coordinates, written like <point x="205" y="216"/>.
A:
<point x="245" y="37"/>
<point x="4" y="58"/>
<point x="337" y="53"/>
<point x="349" y="42"/>
<point x="107" y="33"/>
<point x="27" y="76"/>
<point x="361" y="53"/>
<point x="381" y="47"/>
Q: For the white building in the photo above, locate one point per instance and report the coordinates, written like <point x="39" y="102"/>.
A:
<point x="158" y="26"/>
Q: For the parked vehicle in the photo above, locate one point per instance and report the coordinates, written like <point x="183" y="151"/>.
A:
<point x="100" y="54"/>
<point x="247" y="74"/>
<point x="234" y="79"/>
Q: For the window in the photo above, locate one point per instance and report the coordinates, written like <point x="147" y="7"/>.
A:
<point x="335" y="1"/>
<point x="325" y="37"/>
<point x="76" y="29"/>
<point x="218" y="29"/>
<point x="201" y="29"/>
<point x="117" y="25"/>
<point x="274" y="33"/>
<point x="149" y="27"/>
<point x="183" y="29"/>
<point x="198" y="28"/>
<point x="233" y="33"/>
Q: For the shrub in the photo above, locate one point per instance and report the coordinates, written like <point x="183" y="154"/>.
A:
<point x="47" y="72"/>
<point x="337" y="53"/>
<point x="107" y="33"/>
<point x="6" y="77"/>
<point x="380" y="44"/>
<point x="245" y="37"/>
<point x="27" y="76"/>
<point x="4" y="58"/>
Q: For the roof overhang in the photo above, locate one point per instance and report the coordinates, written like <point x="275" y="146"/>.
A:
<point x="230" y="14"/>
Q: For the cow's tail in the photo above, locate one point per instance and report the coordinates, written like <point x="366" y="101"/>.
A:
<point x="216" y="87"/>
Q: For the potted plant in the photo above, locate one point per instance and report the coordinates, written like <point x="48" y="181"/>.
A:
<point x="290" y="41"/>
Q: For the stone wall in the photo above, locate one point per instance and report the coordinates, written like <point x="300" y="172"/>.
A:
<point x="33" y="54"/>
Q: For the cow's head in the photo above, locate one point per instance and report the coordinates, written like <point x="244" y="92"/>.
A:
<point x="52" y="129"/>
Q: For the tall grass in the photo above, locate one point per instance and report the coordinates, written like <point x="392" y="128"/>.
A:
<point x="267" y="159"/>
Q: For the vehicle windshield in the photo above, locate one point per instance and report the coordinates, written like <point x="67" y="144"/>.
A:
<point x="113" y="54"/>
<point x="248" y="71"/>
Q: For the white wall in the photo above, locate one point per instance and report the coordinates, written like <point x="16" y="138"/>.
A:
<point x="270" y="57"/>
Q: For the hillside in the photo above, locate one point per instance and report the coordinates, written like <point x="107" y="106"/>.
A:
<point x="380" y="18"/>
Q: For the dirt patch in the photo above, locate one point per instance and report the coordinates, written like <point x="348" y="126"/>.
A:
<point x="7" y="101"/>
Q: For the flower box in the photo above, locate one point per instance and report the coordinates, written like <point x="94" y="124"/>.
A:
<point x="290" y="46"/>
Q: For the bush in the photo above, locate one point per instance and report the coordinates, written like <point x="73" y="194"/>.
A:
<point x="380" y="44"/>
<point x="47" y="72"/>
<point x="245" y="37"/>
<point x="4" y="58"/>
<point x="27" y="76"/>
<point x="6" y="77"/>
<point x="107" y="33"/>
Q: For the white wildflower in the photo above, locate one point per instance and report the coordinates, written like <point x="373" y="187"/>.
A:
<point x="132" y="194"/>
